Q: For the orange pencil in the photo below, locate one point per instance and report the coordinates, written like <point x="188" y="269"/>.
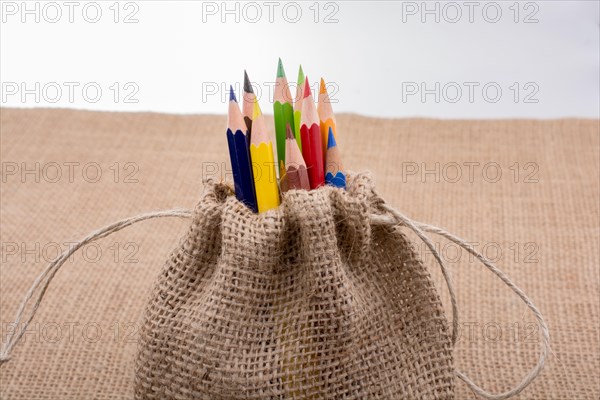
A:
<point x="326" y="117"/>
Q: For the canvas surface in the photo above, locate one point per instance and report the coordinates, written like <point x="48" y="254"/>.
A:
<point x="524" y="192"/>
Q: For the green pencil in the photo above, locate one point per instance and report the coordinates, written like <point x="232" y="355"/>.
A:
<point x="298" y="106"/>
<point x="283" y="111"/>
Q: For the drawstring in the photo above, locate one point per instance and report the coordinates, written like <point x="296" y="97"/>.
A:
<point x="419" y="229"/>
<point x="44" y="279"/>
<point x="42" y="282"/>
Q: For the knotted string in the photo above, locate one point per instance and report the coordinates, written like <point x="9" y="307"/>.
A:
<point x="394" y="218"/>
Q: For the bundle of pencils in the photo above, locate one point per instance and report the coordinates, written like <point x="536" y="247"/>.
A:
<point x="308" y="156"/>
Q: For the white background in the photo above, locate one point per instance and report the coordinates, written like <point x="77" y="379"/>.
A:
<point x="378" y="56"/>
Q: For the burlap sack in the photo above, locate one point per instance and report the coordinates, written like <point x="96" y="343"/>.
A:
<point x="309" y="301"/>
<point x="322" y="298"/>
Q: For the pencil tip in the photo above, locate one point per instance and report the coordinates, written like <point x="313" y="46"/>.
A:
<point x="247" y="85"/>
<point x="300" y="76"/>
<point x="280" y="70"/>
<point x="331" y="139"/>
<point x="322" y="89"/>
<point x="232" y="94"/>
<point x="307" y="88"/>
<point x="289" y="134"/>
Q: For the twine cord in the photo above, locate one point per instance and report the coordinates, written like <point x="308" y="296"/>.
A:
<point x="40" y="285"/>
<point x="419" y="228"/>
<point x="43" y="280"/>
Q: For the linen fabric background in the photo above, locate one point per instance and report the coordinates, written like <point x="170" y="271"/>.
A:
<point x="538" y="219"/>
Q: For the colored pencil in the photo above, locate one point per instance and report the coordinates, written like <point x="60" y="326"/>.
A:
<point x="310" y="132"/>
<point x="335" y="175"/>
<point x="296" y="175"/>
<point x="239" y="153"/>
<point x="283" y="110"/>
<point x="283" y="185"/>
<point x="298" y="105"/>
<point x="248" y="104"/>
<point x="326" y="117"/>
<point x="261" y="152"/>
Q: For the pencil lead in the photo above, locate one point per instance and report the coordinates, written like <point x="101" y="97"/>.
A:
<point x="289" y="134"/>
<point x="280" y="70"/>
<point x="331" y="139"/>
<point x="307" y="88"/>
<point x="322" y="89"/>
<point x="247" y="85"/>
<point x="232" y="94"/>
<point x="300" y="76"/>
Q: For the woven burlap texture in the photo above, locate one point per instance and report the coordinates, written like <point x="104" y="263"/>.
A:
<point x="306" y="301"/>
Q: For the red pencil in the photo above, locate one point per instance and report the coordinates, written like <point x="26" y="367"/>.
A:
<point x="310" y="133"/>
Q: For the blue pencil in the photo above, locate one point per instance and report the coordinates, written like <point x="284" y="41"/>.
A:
<point x="334" y="174"/>
<point x="239" y="153"/>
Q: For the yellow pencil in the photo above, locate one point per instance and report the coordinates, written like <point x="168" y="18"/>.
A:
<point x="263" y="163"/>
<point x="283" y="180"/>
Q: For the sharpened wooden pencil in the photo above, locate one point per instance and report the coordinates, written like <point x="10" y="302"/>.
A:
<point x="326" y="116"/>
<point x="239" y="153"/>
<point x="310" y="132"/>
<point x="296" y="175"/>
<point x="261" y="152"/>
<point x="298" y="105"/>
<point x="248" y="103"/>
<point x="283" y="110"/>
<point x="283" y="185"/>
<point x="335" y="175"/>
